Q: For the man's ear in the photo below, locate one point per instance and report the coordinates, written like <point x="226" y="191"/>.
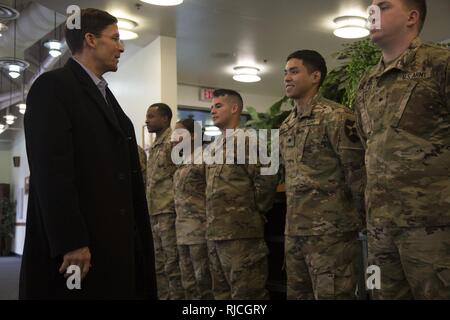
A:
<point x="316" y="76"/>
<point x="91" y="40"/>
<point x="234" y="108"/>
<point x="413" y="18"/>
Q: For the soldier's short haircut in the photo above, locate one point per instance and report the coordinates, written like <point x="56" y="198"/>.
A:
<point x="189" y="124"/>
<point x="312" y="60"/>
<point x="92" y="21"/>
<point x="163" y="109"/>
<point x="421" y="6"/>
<point x="230" y="93"/>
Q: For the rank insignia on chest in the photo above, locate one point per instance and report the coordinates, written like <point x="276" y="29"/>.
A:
<point x="290" y="141"/>
<point x="350" y="131"/>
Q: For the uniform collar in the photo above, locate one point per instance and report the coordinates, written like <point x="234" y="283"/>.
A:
<point x="404" y="62"/>
<point x="309" y="107"/>
<point x="163" y="137"/>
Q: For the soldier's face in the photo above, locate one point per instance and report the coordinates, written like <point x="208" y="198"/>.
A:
<point x="395" y="19"/>
<point x="154" y="120"/>
<point x="222" y="110"/>
<point x="297" y="79"/>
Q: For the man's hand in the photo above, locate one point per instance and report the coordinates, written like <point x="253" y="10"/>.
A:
<point x="80" y="257"/>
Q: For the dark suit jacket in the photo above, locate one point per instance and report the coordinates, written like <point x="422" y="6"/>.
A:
<point x="86" y="189"/>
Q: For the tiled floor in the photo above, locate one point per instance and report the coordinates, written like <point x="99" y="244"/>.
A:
<point x="9" y="278"/>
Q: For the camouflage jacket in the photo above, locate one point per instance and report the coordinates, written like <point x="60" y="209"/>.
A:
<point x="323" y="161"/>
<point x="160" y="171"/>
<point x="237" y="197"/>
<point x="403" y="117"/>
<point x="189" y="184"/>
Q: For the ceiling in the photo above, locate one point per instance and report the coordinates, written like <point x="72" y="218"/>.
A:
<point x="213" y="36"/>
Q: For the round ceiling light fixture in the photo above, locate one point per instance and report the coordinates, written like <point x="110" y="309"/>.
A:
<point x="8" y="13"/>
<point x="351" y="27"/>
<point x="246" y="74"/>
<point x="125" y="26"/>
<point x="10" y="119"/>
<point x="22" y="107"/>
<point x="164" y="2"/>
<point x="13" y="66"/>
<point x="54" y="47"/>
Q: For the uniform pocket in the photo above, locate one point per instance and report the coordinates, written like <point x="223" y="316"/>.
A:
<point x="324" y="287"/>
<point x="403" y="103"/>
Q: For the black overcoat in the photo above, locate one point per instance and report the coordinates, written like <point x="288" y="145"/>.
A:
<point x="86" y="189"/>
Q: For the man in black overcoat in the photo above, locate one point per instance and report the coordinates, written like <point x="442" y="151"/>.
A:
<point x="87" y="205"/>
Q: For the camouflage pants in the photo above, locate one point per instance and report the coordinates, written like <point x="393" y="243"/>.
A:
<point x="195" y="275"/>
<point x="168" y="276"/>
<point x="322" y="267"/>
<point x="414" y="262"/>
<point x="239" y="269"/>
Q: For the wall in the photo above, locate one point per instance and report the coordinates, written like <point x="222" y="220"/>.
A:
<point x="149" y="76"/>
<point x="188" y="95"/>
<point x="5" y="159"/>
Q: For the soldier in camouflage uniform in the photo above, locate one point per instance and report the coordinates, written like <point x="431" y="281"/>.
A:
<point x="323" y="162"/>
<point x="403" y="116"/>
<point x="189" y="193"/>
<point x="237" y="198"/>
<point x="160" y="171"/>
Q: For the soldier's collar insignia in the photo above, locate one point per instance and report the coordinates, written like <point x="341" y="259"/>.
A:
<point x="290" y="141"/>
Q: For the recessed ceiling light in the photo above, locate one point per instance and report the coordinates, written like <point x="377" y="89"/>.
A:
<point x="246" y="74"/>
<point x="164" y="2"/>
<point x="351" y="27"/>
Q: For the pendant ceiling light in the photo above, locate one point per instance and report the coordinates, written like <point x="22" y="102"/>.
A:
<point x="54" y="45"/>
<point x="9" y="118"/>
<point x="13" y="66"/>
<point x="22" y="105"/>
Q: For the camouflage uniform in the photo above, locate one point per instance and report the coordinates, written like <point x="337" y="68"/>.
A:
<point x="403" y="116"/>
<point x="323" y="162"/>
<point x="143" y="163"/>
<point x="189" y="190"/>
<point x="160" y="171"/>
<point x="237" y="197"/>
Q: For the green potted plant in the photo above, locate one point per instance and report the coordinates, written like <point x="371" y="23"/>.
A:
<point x="271" y="119"/>
<point x="356" y="58"/>
<point x="7" y="226"/>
